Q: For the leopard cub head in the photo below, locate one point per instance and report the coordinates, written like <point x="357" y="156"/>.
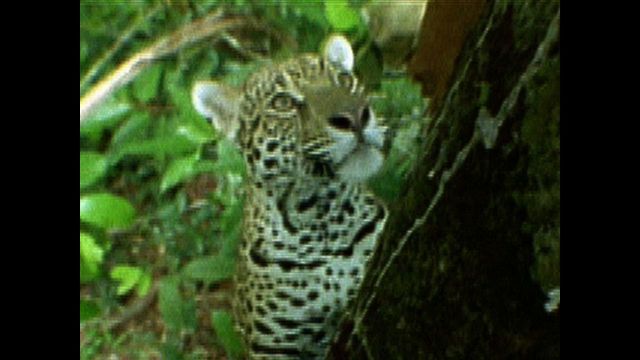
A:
<point x="304" y="117"/>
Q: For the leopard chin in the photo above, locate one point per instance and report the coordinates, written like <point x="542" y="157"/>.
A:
<point x="364" y="162"/>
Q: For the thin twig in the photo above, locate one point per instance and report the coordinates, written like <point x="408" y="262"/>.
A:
<point x="128" y="33"/>
<point x="127" y="71"/>
<point x="134" y="310"/>
<point x="235" y="44"/>
<point x="128" y="314"/>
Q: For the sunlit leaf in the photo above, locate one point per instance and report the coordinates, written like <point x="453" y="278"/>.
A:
<point x="197" y="134"/>
<point x="178" y="171"/>
<point x="106" y="116"/>
<point x="106" y="211"/>
<point x="126" y="276"/>
<point x="91" y="255"/>
<point x="341" y="16"/>
<point x="92" y="167"/>
<point x="144" y="284"/>
<point x="89" y="250"/>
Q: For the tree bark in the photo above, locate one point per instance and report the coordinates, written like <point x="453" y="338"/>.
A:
<point x="471" y="248"/>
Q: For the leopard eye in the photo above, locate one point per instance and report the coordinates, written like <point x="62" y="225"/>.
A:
<point x="340" y="122"/>
<point x="282" y="102"/>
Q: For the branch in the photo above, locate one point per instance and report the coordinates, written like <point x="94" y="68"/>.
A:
<point x="128" y="314"/>
<point x="128" y="33"/>
<point x="127" y="71"/>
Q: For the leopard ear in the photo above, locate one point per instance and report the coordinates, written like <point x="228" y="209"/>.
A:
<point x="218" y="103"/>
<point x="338" y="52"/>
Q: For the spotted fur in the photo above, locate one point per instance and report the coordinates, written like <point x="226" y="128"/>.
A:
<point x="309" y="139"/>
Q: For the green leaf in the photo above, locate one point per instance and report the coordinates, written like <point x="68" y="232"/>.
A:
<point x="89" y="250"/>
<point x="126" y="276"/>
<point x="106" y="116"/>
<point x="170" y="303"/>
<point x="92" y="168"/>
<point x="91" y="256"/>
<point x="341" y="16"/>
<point x="106" y="211"/>
<point x="196" y="134"/>
<point x="88" y="310"/>
<point x="144" y="284"/>
<point x="203" y="166"/>
<point x="190" y="315"/>
<point x="170" y="145"/>
<point x="178" y="171"/>
<point x="232" y="215"/>
<point x="88" y="273"/>
<point x="180" y="96"/>
<point x="223" y="326"/>
<point x="230" y="159"/>
<point x="132" y="130"/>
<point x="313" y="12"/>
<point x="145" y="87"/>
<point x="210" y="269"/>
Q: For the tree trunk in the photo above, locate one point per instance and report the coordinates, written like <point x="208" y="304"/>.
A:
<point x="471" y="248"/>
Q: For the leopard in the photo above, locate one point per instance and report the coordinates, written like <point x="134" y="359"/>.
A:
<point x="310" y="140"/>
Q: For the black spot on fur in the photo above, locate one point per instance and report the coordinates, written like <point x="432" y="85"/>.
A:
<point x="305" y="239"/>
<point x="286" y="323"/>
<point x="276" y="351"/>
<point x="312" y="295"/>
<point x="272" y="146"/>
<point x="258" y="259"/>
<point x="348" y="207"/>
<point x="270" y="163"/>
<point x="272" y="306"/>
<point x="306" y="204"/>
<point x="297" y="302"/>
<point x="319" y="336"/>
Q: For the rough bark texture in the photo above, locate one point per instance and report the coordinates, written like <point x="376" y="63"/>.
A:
<point x="472" y="246"/>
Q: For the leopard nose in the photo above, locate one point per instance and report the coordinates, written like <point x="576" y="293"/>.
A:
<point x="341" y="122"/>
<point x="354" y="121"/>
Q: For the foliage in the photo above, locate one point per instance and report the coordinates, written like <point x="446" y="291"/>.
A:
<point x="223" y="323"/>
<point x="161" y="194"/>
